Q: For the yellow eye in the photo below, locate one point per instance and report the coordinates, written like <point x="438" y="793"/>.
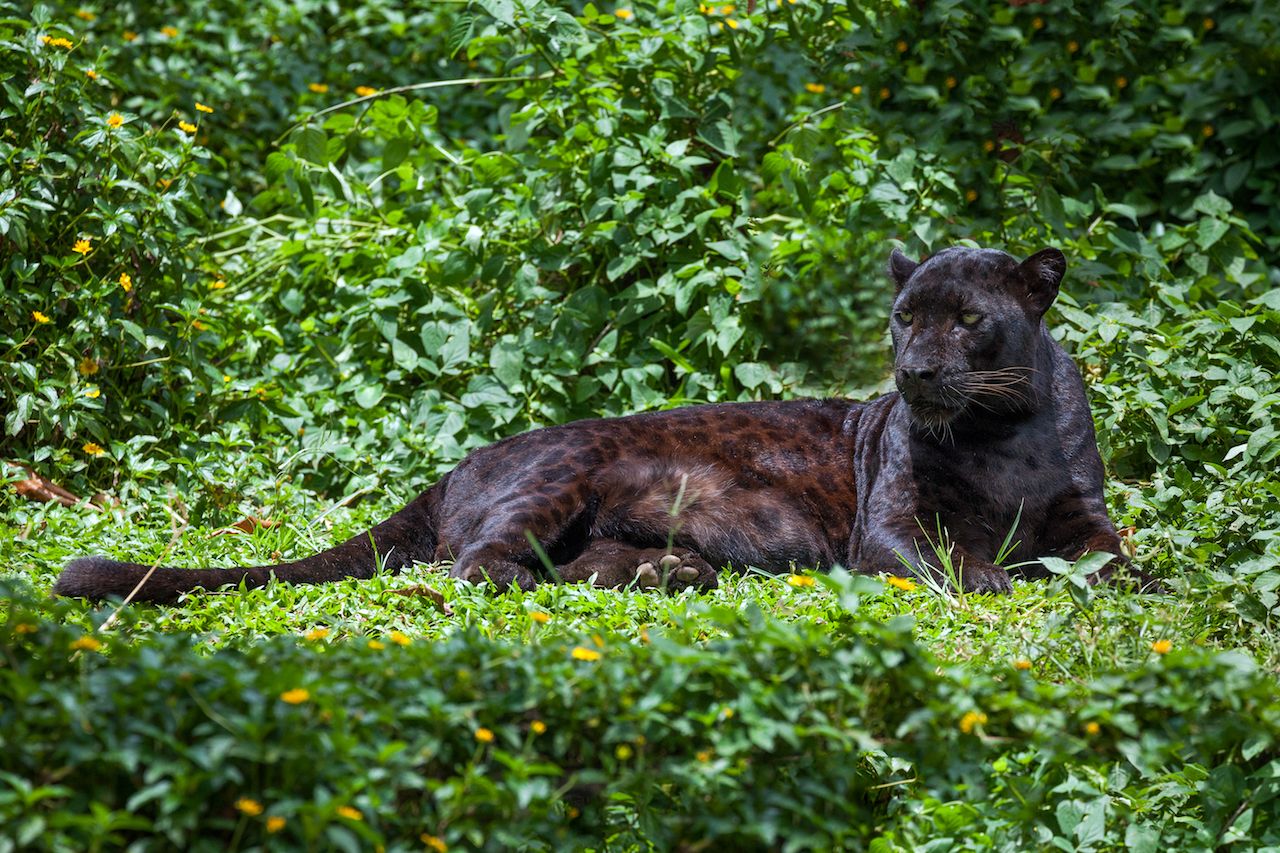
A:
<point x="971" y="319"/>
<point x="905" y="317"/>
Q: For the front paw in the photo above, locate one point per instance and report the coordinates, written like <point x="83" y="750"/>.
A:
<point x="984" y="577"/>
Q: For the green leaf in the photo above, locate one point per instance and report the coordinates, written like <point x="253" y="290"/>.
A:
<point x="1210" y="231"/>
<point x="312" y="145"/>
<point x="720" y="135"/>
<point x="367" y="396"/>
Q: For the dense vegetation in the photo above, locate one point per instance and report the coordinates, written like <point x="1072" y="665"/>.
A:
<point x="261" y="261"/>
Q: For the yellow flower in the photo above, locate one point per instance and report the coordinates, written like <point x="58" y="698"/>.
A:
<point x="198" y="326"/>
<point x="1092" y="728"/>
<point x="40" y="317"/>
<point x="1206" y="131"/>
<point x="217" y="285"/>
<point x="376" y="645"/>
<point x="1037" y="24"/>
<point x="728" y="10"/>
<point x="130" y="35"/>
<point x="624" y="14"/>
<point x="315" y="633"/>
<point x="275" y="823"/>
<point x="400" y="639"/>
<point x="201" y="108"/>
<point x="1073" y="46"/>
<point x="93" y="449"/>
<point x="171" y="32"/>
<point x="540" y="617"/>
<point x="57" y="42"/>
<point x="91" y="74"/>
<point x="350" y="813"/>
<point x="971" y="720"/>
<point x="1162" y="647"/>
<point x="115" y="120"/>
<point x="87" y="366"/>
<point x="366" y="91"/>
<point x="970" y="196"/>
<point x="857" y="90"/>
<point x="1022" y="664"/>
<point x="727" y="713"/>
<point x="538" y="727"/>
<point x="163" y="183"/>
<point x="1121" y="82"/>
<point x="252" y="808"/>
<point x="583" y="653"/>
<point x="988" y="146"/>
<point x="951" y="82"/>
<point x="296" y="696"/>
<point x="731" y="23"/>
<point x="623" y="752"/>
<point x="885" y="93"/>
<point x="799" y="581"/>
<point x="433" y="843"/>
<point x="894" y="581"/>
<point x="1207" y="23"/>
<point x="82" y="246"/>
<point x="86" y="644"/>
<point x="704" y="755"/>
<point x="484" y="735"/>
<point x="1055" y="93"/>
<point x="24" y="628"/>
<point x="318" y="88"/>
<point x="815" y="88"/>
<point x="93" y="393"/>
<point x="186" y="127"/>
<point x="126" y="282"/>
<point x="85" y="15"/>
<point x="901" y="46"/>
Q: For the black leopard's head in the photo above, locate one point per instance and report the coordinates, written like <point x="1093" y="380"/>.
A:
<point x="967" y="327"/>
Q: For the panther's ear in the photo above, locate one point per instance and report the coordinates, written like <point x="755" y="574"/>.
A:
<point x="900" y="269"/>
<point x="1042" y="273"/>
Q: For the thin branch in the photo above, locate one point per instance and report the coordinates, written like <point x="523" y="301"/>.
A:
<point x="413" y="87"/>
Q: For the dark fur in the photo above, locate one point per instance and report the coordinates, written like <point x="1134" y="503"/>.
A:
<point x="990" y="420"/>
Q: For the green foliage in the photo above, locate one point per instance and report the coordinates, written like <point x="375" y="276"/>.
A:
<point x="551" y="211"/>
<point x="789" y="734"/>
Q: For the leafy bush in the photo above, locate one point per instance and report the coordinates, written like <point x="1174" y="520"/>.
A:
<point x="778" y="734"/>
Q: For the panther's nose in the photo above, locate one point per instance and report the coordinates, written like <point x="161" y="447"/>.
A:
<point x="917" y="375"/>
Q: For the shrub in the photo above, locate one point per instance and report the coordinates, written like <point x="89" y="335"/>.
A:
<point x="787" y="735"/>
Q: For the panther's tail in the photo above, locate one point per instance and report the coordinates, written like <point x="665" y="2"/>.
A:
<point x="404" y="537"/>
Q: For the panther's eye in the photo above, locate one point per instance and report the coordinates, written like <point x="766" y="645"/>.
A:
<point x="971" y="319"/>
<point x="905" y="317"/>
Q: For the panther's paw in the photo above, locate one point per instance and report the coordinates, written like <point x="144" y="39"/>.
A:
<point x="985" y="578"/>
<point x="677" y="570"/>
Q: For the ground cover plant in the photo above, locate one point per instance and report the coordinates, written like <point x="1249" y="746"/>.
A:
<point x="278" y="265"/>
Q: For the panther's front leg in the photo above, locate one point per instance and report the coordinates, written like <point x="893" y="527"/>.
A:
<point x="898" y="546"/>
<point x="1082" y="526"/>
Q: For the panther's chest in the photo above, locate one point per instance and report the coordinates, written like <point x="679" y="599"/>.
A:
<point x="984" y="490"/>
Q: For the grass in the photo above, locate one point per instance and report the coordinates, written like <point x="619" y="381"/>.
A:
<point x="1065" y="636"/>
<point x="980" y="721"/>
